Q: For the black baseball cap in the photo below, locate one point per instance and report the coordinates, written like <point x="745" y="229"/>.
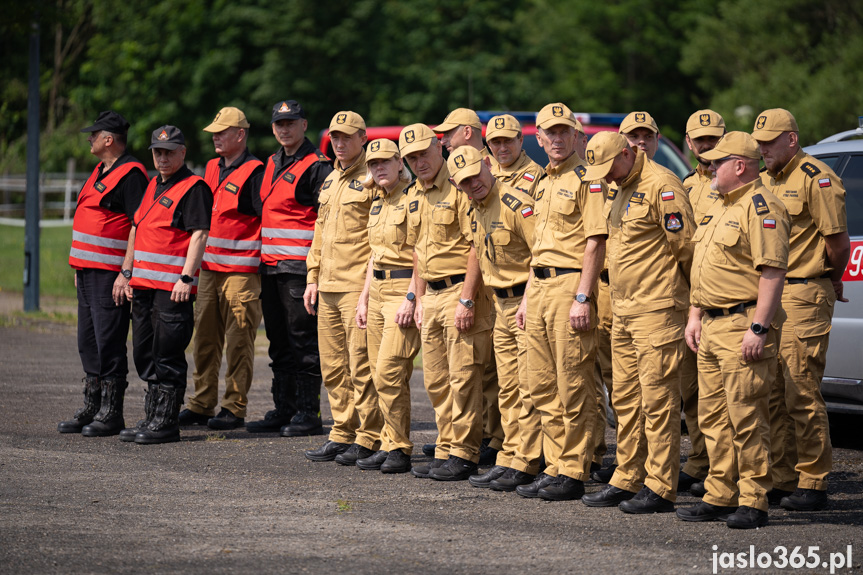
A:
<point x="167" y="137"/>
<point x="109" y="121"/>
<point x="287" y="110"/>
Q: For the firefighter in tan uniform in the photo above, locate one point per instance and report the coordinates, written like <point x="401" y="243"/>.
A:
<point x="503" y="226"/>
<point x="819" y="251"/>
<point x="387" y="304"/>
<point x="454" y="312"/>
<point x="462" y="127"/>
<point x="649" y="255"/>
<point x="741" y="251"/>
<point x="513" y="166"/>
<point x="337" y="265"/>
<point x="703" y="130"/>
<point x="561" y="308"/>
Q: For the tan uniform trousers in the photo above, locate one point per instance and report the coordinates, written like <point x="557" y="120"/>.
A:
<point x="227" y="311"/>
<point x="697" y="463"/>
<point x="602" y="369"/>
<point x="346" y="372"/>
<point x="492" y="426"/>
<point x="800" y="433"/>
<point x="733" y="412"/>
<point x="522" y="444"/>
<point x="392" y="350"/>
<point x="560" y="374"/>
<point x="646" y="353"/>
<point x="453" y="367"/>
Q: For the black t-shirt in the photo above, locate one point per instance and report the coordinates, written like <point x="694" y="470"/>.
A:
<point x="126" y="196"/>
<point x="195" y="210"/>
<point x="309" y="185"/>
<point x="245" y="201"/>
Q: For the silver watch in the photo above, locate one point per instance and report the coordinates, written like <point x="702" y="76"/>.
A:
<point x="468" y="303"/>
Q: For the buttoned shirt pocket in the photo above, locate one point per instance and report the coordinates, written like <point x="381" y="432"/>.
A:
<point x="562" y="214"/>
<point x="396" y="230"/>
<point x="635" y="212"/>
<point x="355" y="215"/>
<point x="324" y="201"/>
<point x="497" y="246"/>
<point x="725" y="238"/>
<point x="443" y="228"/>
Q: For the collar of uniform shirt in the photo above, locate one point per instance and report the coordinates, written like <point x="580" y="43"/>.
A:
<point x="282" y="161"/>
<point x="225" y="171"/>
<point x="568" y="165"/>
<point x="126" y="157"/>
<point x="439" y="180"/>
<point x="358" y="164"/>
<point x="635" y="172"/>
<point x="493" y="192"/>
<point x="735" y="195"/>
<point x="790" y="166"/>
<point x="181" y="174"/>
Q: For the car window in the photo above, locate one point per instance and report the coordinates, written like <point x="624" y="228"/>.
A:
<point x="852" y="177"/>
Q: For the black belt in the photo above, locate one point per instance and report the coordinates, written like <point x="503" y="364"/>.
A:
<point x="739" y="308"/>
<point x="392" y="274"/>
<point x="603" y="275"/>
<point x="514" y="291"/>
<point x="546" y="273"/>
<point x="793" y="281"/>
<point x="446" y="282"/>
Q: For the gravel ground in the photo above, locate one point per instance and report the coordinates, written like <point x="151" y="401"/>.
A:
<point x="239" y="503"/>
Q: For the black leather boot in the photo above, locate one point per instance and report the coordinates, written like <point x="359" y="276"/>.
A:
<point x="307" y="420"/>
<point x="164" y="427"/>
<point x="109" y="420"/>
<point x="85" y="415"/>
<point x="284" y="390"/>
<point x="129" y="433"/>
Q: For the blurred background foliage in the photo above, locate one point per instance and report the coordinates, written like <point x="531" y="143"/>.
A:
<point x="397" y="62"/>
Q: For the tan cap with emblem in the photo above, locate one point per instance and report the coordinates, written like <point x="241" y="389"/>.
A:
<point x="734" y="144"/>
<point x="705" y="123"/>
<point x="600" y="153"/>
<point x="415" y="138"/>
<point x="464" y="162"/>
<point x="770" y="123"/>
<point x="635" y="120"/>
<point x="228" y="117"/>
<point x="382" y="149"/>
<point x="505" y="126"/>
<point x="459" y="117"/>
<point x="347" y="123"/>
<point x="556" y="114"/>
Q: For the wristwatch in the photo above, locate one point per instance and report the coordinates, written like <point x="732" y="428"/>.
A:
<point x="186" y="279"/>
<point x="582" y="298"/>
<point x="468" y="303"/>
<point x="759" y="329"/>
<point x="126" y="274"/>
<point x="411" y="296"/>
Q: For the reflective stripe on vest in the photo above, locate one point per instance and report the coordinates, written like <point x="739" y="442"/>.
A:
<point x="100" y="236"/>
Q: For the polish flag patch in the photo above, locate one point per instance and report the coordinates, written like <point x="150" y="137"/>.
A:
<point x="824" y="182"/>
<point x="769" y="224"/>
<point x="595" y="188"/>
<point x="669" y="195"/>
<point x="526" y="212"/>
<point x="529" y="177"/>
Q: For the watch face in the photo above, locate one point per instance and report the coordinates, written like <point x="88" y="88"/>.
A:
<point x="411" y="296"/>
<point x="581" y="298"/>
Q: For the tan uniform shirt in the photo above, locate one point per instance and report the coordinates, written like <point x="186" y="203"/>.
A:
<point x="388" y="229"/>
<point x="815" y="198"/>
<point x="439" y="227"/>
<point x="340" y="249"/>
<point x="523" y="174"/>
<point x="649" y="249"/>
<point x="746" y="229"/>
<point x="701" y="197"/>
<point x="503" y="231"/>
<point x="568" y="211"/>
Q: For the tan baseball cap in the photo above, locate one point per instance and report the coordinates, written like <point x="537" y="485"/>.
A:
<point x="415" y="138"/>
<point x="555" y="114"/>
<point x="734" y="144"/>
<point x="382" y="149"/>
<point x="635" y="120"/>
<point x="505" y="126"/>
<point x="705" y="123"/>
<point x="600" y="154"/>
<point x="228" y="117"/>
<point x="771" y="123"/>
<point x="347" y="122"/>
<point x="464" y="162"/>
<point x="459" y="117"/>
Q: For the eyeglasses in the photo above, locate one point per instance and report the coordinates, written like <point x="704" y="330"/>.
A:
<point x="716" y="163"/>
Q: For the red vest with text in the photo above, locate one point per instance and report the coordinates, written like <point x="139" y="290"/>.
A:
<point x="287" y="227"/>
<point x="99" y="236"/>
<point x="234" y="243"/>
<point x="160" y="248"/>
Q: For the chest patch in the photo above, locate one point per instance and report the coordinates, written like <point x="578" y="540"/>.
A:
<point x="376" y="210"/>
<point x="100" y="187"/>
<point x="355" y="185"/>
<point x="167" y="202"/>
<point x="705" y="220"/>
<point x="231" y="187"/>
<point x="289" y="177"/>
<point x="760" y="204"/>
<point x="612" y="193"/>
<point x="511" y="201"/>
<point x="637" y="198"/>
<point x="413" y="206"/>
<point x="674" y="222"/>
<point x="324" y="187"/>
<point x="580" y="170"/>
<point x="540" y="193"/>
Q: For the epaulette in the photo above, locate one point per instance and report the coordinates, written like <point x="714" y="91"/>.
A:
<point x="409" y="186"/>
<point x="321" y="156"/>
<point x="692" y="173"/>
<point x="470" y="210"/>
<point x="543" y="176"/>
<point x="760" y="204"/>
<point x="764" y="169"/>
<point x="511" y="201"/>
<point x="580" y="170"/>
<point x="810" y="169"/>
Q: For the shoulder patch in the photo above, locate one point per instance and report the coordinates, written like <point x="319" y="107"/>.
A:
<point x="321" y="156"/>
<point x="674" y="222"/>
<point x="526" y="211"/>
<point x="824" y="183"/>
<point x="770" y="224"/>
<point x="810" y="168"/>
<point x="760" y="204"/>
<point x="612" y="193"/>
<point x="595" y="188"/>
<point x="470" y="210"/>
<point x="667" y="195"/>
<point x="705" y="220"/>
<point x="473" y="226"/>
<point x="511" y="201"/>
<point x="690" y="174"/>
<point x="580" y="170"/>
<point x="529" y="177"/>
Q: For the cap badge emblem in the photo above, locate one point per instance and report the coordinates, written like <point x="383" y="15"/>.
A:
<point x="341" y="118"/>
<point x="590" y="157"/>
<point x="217" y="116"/>
<point x="498" y="123"/>
<point x="163" y="135"/>
<point x="557" y="111"/>
<point x="761" y="121"/>
<point x="459" y="161"/>
<point x="639" y="117"/>
<point x="410" y="137"/>
<point x="284" y="107"/>
<point x="704" y="119"/>
<point x="375" y="146"/>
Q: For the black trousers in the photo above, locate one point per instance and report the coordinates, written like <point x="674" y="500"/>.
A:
<point x="103" y="326"/>
<point x="161" y="331"/>
<point x="292" y="332"/>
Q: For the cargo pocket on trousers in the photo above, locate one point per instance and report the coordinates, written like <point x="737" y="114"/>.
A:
<point x="667" y="352"/>
<point x="240" y="305"/>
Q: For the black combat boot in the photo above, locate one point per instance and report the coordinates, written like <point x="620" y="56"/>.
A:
<point x="129" y="433"/>
<point x="307" y="420"/>
<point x="284" y="390"/>
<point x="85" y="415"/>
<point x="164" y="427"/>
<point x="109" y="420"/>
